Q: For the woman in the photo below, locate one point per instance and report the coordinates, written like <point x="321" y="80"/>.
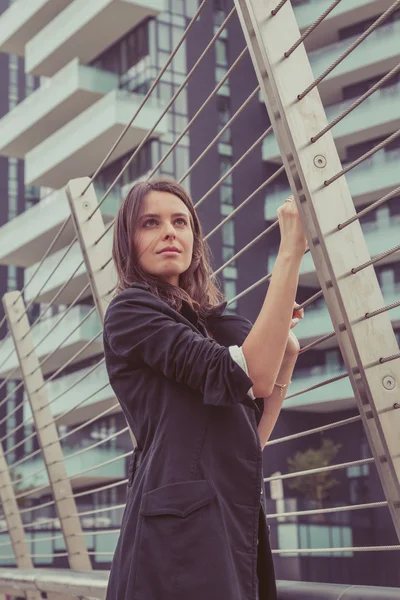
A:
<point x="187" y="378"/>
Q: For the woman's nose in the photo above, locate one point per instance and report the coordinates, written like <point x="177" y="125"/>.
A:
<point x="169" y="232"/>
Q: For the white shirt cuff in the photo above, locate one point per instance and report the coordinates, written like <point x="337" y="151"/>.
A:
<point x="236" y="353"/>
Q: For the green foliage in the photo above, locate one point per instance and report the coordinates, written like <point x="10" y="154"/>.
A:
<point x="314" y="487"/>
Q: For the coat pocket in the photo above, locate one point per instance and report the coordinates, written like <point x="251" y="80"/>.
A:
<point x="183" y="550"/>
<point x="178" y="499"/>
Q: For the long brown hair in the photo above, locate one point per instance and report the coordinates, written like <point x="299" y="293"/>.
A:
<point x="195" y="284"/>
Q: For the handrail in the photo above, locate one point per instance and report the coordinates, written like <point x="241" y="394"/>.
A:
<point x="93" y="584"/>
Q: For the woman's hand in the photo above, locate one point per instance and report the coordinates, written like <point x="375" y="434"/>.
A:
<point x="293" y="239"/>
<point x="293" y="345"/>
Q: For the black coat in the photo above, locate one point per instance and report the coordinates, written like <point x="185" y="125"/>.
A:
<point x="194" y="512"/>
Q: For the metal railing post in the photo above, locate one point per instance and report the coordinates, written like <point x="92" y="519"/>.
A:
<point x="323" y="205"/>
<point x="94" y="244"/>
<point x="14" y="522"/>
<point x="95" y="247"/>
<point x="46" y="431"/>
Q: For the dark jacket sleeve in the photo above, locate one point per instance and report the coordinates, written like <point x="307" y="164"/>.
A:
<point x="140" y="327"/>
<point x="231" y="330"/>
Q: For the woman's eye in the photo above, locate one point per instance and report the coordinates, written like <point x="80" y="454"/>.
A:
<point x="150" y="222"/>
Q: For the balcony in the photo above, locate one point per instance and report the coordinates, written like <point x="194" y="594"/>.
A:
<point x="378" y="116"/>
<point x="23" y="245"/>
<point x="329" y="398"/>
<point x="61" y="274"/>
<point x="317" y="321"/>
<point x="369" y="181"/>
<point x="344" y="15"/>
<point x="375" y="56"/>
<point x="53" y="105"/>
<point x="99" y="399"/>
<point x="75" y="32"/>
<point x="380" y="236"/>
<point x="378" y="54"/>
<point x="336" y="396"/>
<point x="83" y="334"/>
<point x="76" y="149"/>
<point x="23" y="20"/>
<point x="92" y="457"/>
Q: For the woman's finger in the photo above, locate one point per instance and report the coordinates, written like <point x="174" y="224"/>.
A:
<point x="298" y="313"/>
<point x="294" y="322"/>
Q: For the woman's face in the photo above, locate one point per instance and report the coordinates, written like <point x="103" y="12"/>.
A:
<point x="164" y="222"/>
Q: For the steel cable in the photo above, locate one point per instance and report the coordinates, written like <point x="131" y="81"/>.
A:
<point x="233" y="167"/>
<point x="357" y="103"/>
<point x="294" y="436"/>
<point x="90" y="421"/>
<point x="146" y="97"/>
<point x="89" y="372"/>
<point x="318" y="385"/>
<point x="6" y="380"/>
<point x="7" y="357"/>
<point x="244" y="203"/>
<point x="376" y="259"/>
<point x="198" y="112"/>
<point x="94" y="511"/>
<point x="66" y="457"/>
<point x="345" y="465"/>
<point x="370" y="208"/>
<point x="368" y="315"/>
<point x="351" y="48"/>
<point x="52" y="301"/>
<point x="364" y="157"/>
<point x="46" y="254"/>
<point x="169" y="104"/>
<point x="69" y="361"/>
<point x="245" y="248"/>
<point x="311" y="28"/>
<point x="34" y="299"/>
<point x="335" y="550"/>
<point x="103" y="464"/>
<point x="48" y="356"/>
<point x="101" y="488"/>
<point x="275" y="10"/>
<point x="220" y="133"/>
<point x="326" y="511"/>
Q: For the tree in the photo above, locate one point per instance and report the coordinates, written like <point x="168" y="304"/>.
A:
<point x="314" y="487"/>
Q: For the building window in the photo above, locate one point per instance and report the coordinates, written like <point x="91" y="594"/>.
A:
<point x="125" y="53"/>
<point x="230" y="292"/>
<point x="224" y="114"/>
<point x="221" y="52"/>
<point x="12" y="279"/>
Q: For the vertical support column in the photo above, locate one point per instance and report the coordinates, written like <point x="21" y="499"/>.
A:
<point x="46" y="431"/>
<point x="14" y="522"/>
<point x="335" y="252"/>
<point x="96" y="254"/>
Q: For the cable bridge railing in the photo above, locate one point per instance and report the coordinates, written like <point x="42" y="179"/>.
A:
<point x="53" y="496"/>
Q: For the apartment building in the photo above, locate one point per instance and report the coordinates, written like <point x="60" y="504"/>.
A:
<point x="87" y="65"/>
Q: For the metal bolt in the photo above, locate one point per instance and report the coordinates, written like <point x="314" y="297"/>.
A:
<point x="320" y="161"/>
<point x="86" y="204"/>
<point x="396" y="405"/>
<point x="389" y="382"/>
